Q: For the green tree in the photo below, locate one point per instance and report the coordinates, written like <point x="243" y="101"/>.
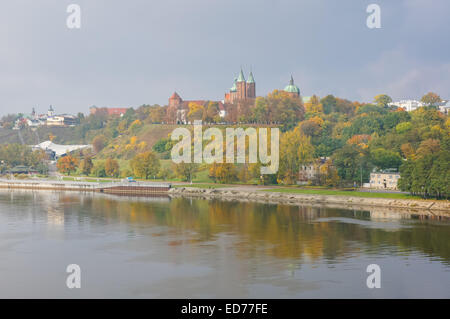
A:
<point x="186" y="171"/>
<point x="165" y="173"/>
<point x="351" y="161"/>
<point x="403" y="127"/>
<point x="329" y="104"/>
<point x="382" y="100"/>
<point x="383" y="158"/>
<point x="99" y="169"/>
<point x="428" y="175"/>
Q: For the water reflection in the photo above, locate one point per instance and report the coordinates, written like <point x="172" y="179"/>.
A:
<point x="258" y="249"/>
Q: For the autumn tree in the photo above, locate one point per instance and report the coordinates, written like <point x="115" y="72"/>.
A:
<point x="145" y="165"/>
<point x="112" y="168"/>
<point x="135" y="126"/>
<point x="431" y="99"/>
<point x="313" y="106"/>
<point x="196" y="112"/>
<point x="295" y="149"/>
<point x="165" y="173"/>
<point x="328" y="175"/>
<point x="223" y="172"/>
<point x="186" y="171"/>
<point x="212" y="112"/>
<point x="408" y="151"/>
<point x="243" y="174"/>
<point x="67" y="164"/>
<point x="429" y="146"/>
<point x="86" y="165"/>
<point x="156" y="115"/>
<point x="312" y="126"/>
<point x="282" y="109"/>
<point x="99" y="143"/>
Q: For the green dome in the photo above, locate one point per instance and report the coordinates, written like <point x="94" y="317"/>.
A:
<point x="292" y="88"/>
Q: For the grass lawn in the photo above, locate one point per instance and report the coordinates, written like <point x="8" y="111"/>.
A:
<point x="200" y="177"/>
<point x="87" y="179"/>
<point x="342" y="193"/>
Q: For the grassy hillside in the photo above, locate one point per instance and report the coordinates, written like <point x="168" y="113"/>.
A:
<point x="126" y="145"/>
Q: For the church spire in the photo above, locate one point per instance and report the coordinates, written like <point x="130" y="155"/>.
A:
<point x="250" y="78"/>
<point x="241" y="77"/>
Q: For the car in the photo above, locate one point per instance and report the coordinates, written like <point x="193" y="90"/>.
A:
<point x="130" y="180"/>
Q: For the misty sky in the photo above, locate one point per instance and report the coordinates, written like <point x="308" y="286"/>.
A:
<point x="129" y="53"/>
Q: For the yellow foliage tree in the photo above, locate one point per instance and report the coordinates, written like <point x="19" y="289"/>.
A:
<point x="295" y="149"/>
<point x="67" y="164"/>
<point x="145" y="165"/>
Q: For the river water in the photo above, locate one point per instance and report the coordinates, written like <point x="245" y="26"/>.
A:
<point x="186" y="248"/>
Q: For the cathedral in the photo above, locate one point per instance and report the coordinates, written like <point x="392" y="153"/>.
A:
<point x="242" y="90"/>
<point x="241" y="94"/>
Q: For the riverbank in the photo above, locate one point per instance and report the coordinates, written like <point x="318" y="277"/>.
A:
<point x="241" y="193"/>
<point x="118" y="188"/>
<point x="431" y="207"/>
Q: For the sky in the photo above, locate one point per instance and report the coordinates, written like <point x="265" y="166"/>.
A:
<point x="134" y="52"/>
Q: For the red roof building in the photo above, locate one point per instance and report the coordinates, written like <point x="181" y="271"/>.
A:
<point x="120" y="111"/>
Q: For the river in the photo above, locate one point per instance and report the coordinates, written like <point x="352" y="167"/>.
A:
<point x="191" y="248"/>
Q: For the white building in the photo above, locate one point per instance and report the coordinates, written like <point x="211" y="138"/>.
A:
<point x="48" y="119"/>
<point x="55" y="121"/>
<point x="59" y="150"/>
<point x="384" y="180"/>
<point x="444" y="107"/>
<point x="411" y="105"/>
<point x="408" y="105"/>
<point x="309" y="172"/>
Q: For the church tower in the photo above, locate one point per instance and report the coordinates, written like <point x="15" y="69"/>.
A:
<point x="241" y="86"/>
<point x="251" y="87"/>
<point x="50" y="112"/>
<point x="175" y="100"/>
<point x="242" y="90"/>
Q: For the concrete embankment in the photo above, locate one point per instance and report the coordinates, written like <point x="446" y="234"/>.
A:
<point x="49" y="185"/>
<point x="119" y="188"/>
<point x="427" y="207"/>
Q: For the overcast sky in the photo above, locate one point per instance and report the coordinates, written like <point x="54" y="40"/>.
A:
<point x="134" y="52"/>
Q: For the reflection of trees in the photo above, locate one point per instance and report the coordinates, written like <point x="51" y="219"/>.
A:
<point x="275" y="230"/>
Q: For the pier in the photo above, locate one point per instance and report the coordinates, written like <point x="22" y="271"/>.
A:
<point x="134" y="188"/>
